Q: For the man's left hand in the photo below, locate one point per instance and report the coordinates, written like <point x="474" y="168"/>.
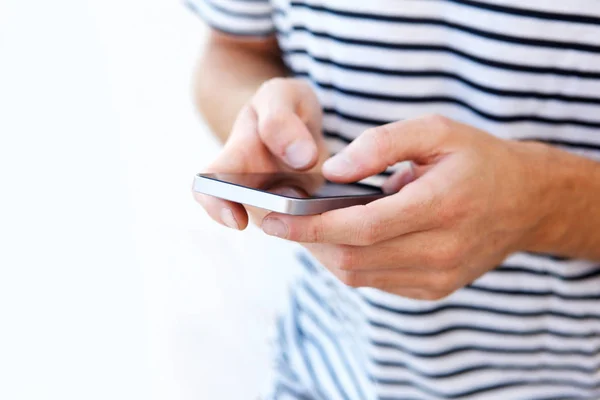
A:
<point x="470" y="201"/>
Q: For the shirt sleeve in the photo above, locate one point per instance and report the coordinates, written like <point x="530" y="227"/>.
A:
<point x="236" y="17"/>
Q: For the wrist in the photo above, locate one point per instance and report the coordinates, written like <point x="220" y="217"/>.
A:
<point x="549" y="178"/>
<point x="542" y="175"/>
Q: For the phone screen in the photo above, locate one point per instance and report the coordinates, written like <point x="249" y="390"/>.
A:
<point x="296" y="185"/>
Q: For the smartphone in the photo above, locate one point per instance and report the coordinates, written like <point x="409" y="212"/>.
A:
<point x="287" y="193"/>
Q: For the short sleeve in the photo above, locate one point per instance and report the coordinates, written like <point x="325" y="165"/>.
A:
<point x="237" y="17"/>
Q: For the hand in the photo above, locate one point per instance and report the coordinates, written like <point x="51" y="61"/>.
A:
<point x="278" y="131"/>
<point x="470" y="202"/>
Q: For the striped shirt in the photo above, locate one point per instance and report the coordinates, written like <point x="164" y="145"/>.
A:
<point x="529" y="329"/>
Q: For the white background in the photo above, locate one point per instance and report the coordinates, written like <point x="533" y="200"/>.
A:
<point x="113" y="283"/>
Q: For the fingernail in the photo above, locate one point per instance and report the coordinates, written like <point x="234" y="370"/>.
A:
<point x="409" y="175"/>
<point x="397" y="182"/>
<point x="399" y="179"/>
<point x="339" y="165"/>
<point x="274" y="227"/>
<point x="299" y="153"/>
<point x="228" y="219"/>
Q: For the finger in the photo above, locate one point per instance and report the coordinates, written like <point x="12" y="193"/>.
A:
<point x="227" y="213"/>
<point x="429" y="282"/>
<point x="376" y="149"/>
<point x="281" y="128"/>
<point x="413" y="209"/>
<point x="243" y="152"/>
<point x="430" y="250"/>
<point x="231" y="160"/>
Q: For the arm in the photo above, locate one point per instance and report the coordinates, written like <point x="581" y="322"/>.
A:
<point x="568" y="194"/>
<point x="229" y="73"/>
<point x="471" y="200"/>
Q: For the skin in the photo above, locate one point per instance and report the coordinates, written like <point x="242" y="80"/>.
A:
<point x="471" y="199"/>
<point x="276" y="120"/>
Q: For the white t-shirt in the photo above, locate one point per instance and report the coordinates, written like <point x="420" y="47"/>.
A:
<point x="529" y="329"/>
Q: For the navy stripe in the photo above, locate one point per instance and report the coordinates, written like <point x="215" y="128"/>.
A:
<point x="554" y="257"/>
<point x="445" y="49"/>
<point x="557" y="398"/>
<point x="534" y="293"/>
<point x="306" y="284"/>
<point x="487" y="350"/>
<point x="336" y="135"/>
<point x="338" y="314"/>
<point x="487" y="388"/>
<point x="487" y="367"/>
<point x="283" y="388"/>
<point x="377" y="122"/>
<point x="299" y="338"/>
<point x="483" y="329"/>
<point x="328" y="133"/>
<point x="523" y="12"/>
<point x="414" y="99"/>
<point x="453" y="328"/>
<point x="476" y="308"/>
<point x="565" y="143"/>
<point x="306" y="262"/>
<point x="285" y="370"/>
<point x="282" y="341"/>
<point x="407" y="73"/>
<point x="595" y="273"/>
<point x="339" y="351"/>
<point x="308" y="338"/>
<point x="544" y="43"/>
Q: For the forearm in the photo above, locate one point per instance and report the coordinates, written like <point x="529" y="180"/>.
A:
<point x="228" y="74"/>
<point x="568" y="198"/>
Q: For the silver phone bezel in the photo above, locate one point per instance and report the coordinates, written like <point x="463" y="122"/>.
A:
<point x="276" y="202"/>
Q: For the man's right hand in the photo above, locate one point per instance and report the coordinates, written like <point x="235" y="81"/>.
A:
<point x="279" y="130"/>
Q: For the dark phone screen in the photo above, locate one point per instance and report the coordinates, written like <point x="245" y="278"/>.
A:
<point x="296" y="185"/>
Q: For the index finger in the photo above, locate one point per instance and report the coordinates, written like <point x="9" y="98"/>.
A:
<point x="280" y="105"/>
<point x="410" y="210"/>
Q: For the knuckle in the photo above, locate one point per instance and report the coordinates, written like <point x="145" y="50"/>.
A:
<point x="271" y="84"/>
<point x="367" y="235"/>
<point x="344" y="259"/>
<point x="455" y="207"/>
<point x="350" y="278"/>
<point x="442" y="282"/>
<point x="448" y="212"/>
<point x="431" y="295"/>
<point x="369" y="231"/>
<point x="446" y="256"/>
<point x="271" y="125"/>
<point x="439" y="123"/>
<point x="427" y="199"/>
<point x="300" y="84"/>
<point x="380" y="138"/>
<point x="384" y="283"/>
<point x="315" y="231"/>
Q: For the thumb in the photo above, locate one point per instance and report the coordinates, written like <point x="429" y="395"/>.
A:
<point x="419" y="140"/>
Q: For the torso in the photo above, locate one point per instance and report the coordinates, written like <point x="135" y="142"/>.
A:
<point x="517" y="69"/>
